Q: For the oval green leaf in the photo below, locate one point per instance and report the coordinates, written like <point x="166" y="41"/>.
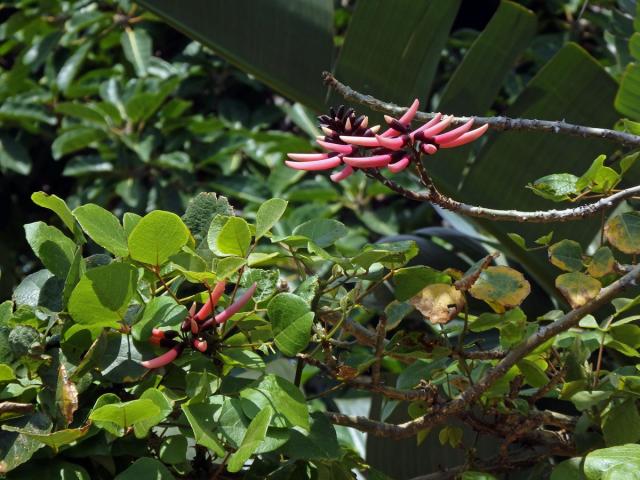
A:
<point x="156" y="237"/>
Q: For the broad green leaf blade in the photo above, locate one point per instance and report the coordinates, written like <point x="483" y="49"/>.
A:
<point x="291" y="321"/>
<point x="479" y="77"/>
<point x="627" y="98"/>
<point x="146" y="468"/>
<point x="600" y="461"/>
<point x="578" y="288"/>
<point x="51" y="246"/>
<point x="103" y="294"/>
<point x="13" y="156"/>
<point x="200" y="417"/>
<point x="392" y="49"/>
<point x="136" y="44"/>
<point x="262" y="38"/>
<point x="54" y="440"/>
<point x="103" y="227"/>
<point x="234" y="237"/>
<point x="268" y="215"/>
<point x="255" y="434"/>
<point x="284" y="396"/>
<point x="56" y="205"/>
<point x="118" y="417"/>
<point x="15" y="448"/>
<point x="156" y="237"/>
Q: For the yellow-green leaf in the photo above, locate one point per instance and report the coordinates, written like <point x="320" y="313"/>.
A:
<point x="578" y="288"/>
<point x="566" y="255"/>
<point x="602" y="263"/>
<point x="623" y="232"/>
<point x="502" y="286"/>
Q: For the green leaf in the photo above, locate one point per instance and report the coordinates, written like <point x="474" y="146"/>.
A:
<point x="285" y="398"/>
<point x="256" y="432"/>
<point x="303" y="30"/>
<point x="291" y="321"/>
<point x="136" y="45"/>
<point x="568" y="470"/>
<point x="13" y="156"/>
<point x="165" y="408"/>
<point x="578" y="288"/>
<point x="634" y="45"/>
<point x="146" y="468"/>
<point x="173" y="450"/>
<point x="621" y="423"/>
<point x="602" y="263"/>
<point x="599" y="462"/>
<point x="556" y="187"/>
<point x="201" y="418"/>
<point x="159" y="312"/>
<point x="626" y="101"/>
<point x="566" y="255"/>
<point x="16" y="449"/>
<point x="225" y="267"/>
<point x="410" y="281"/>
<point x="319" y="443"/>
<point x="51" y="246"/>
<point x="116" y="418"/>
<point x="103" y="228"/>
<point x="72" y="65"/>
<point x="74" y="140"/>
<point x="323" y="232"/>
<point x="156" y="237"/>
<point x="623" y="232"/>
<point x="470" y="475"/>
<point x="54" y="440"/>
<point x="56" y="205"/>
<point x="201" y="210"/>
<point x="234" y="237"/>
<point x="268" y="215"/>
<point x="598" y="178"/>
<point x="501" y="285"/>
<point x="103" y="294"/>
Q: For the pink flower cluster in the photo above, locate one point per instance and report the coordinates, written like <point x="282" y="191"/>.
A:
<point x="350" y="142"/>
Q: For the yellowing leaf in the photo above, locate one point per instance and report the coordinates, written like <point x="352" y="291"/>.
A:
<point x="502" y="286"/>
<point x="578" y="288"/>
<point x="602" y="262"/>
<point x="439" y="302"/>
<point x="566" y="255"/>
<point x="623" y="232"/>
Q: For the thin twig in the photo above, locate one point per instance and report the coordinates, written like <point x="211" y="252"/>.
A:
<point x="473" y="393"/>
<point x="433" y="195"/>
<point x="381" y="332"/>
<point x="496" y="123"/>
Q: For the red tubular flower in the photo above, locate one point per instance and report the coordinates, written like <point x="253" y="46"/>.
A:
<point x="211" y="303"/>
<point x="350" y="142"/>
<point x="164" y="359"/>
<point x="231" y="309"/>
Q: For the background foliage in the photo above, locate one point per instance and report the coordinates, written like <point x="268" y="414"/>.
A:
<point x="104" y="103"/>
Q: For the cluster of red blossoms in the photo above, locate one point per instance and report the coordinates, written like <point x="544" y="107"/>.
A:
<point x="350" y="141"/>
<point x="195" y="326"/>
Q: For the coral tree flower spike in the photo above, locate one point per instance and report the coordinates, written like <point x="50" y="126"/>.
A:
<point x="326" y="164"/>
<point x="466" y="137"/>
<point x="341" y="175"/>
<point x="237" y="305"/>
<point x="335" y="147"/>
<point x="211" y="303"/>
<point x="375" y="161"/>
<point x="405" y="119"/>
<point x="164" y="359"/>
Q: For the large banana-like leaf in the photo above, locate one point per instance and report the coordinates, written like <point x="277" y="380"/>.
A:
<point x="284" y="43"/>
<point x="392" y="51"/>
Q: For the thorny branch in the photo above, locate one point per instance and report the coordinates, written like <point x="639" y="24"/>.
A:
<point x="496" y="123"/>
<point x="433" y="195"/>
